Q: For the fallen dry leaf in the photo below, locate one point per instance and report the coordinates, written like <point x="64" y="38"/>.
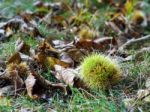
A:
<point x="69" y="76"/>
<point x="30" y="82"/>
<point x="47" y="49"/>
<point x="37" y="85"/>
<point x="66" y="75"/>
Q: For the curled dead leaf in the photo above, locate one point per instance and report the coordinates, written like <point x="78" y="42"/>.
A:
<point x="69" y="76"/>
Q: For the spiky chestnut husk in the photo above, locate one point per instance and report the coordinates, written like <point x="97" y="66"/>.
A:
<point x="22" y="68"/>
<point x="86" y="33"/>
<point x="139" y="18"/>
<point x="99" y="71"/>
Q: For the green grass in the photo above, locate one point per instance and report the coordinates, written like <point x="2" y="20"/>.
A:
<point x="9" y="8"/>
<point x="7" y="48"/>
<point x="22" y="102"/>
<point x="31" y="41"/>
<point x="79" y="102"/>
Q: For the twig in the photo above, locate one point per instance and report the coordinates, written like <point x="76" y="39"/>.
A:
<point x="135" y="43"/>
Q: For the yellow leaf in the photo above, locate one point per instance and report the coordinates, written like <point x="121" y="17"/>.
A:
<point x="51" y="61"/>
<point x="129" y="6"/>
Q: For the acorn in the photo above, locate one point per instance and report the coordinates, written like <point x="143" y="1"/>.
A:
<point x="99" y="71"/>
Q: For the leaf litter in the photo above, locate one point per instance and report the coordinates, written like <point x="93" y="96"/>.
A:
<point x="23" y="70"/>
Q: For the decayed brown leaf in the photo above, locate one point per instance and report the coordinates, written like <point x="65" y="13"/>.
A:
<point x="37" y="85"/>
<point x="15" y="58"/>
<point x="101" y="44"/>
<point x="47" y="49"/>
<point x="84" y="44"/>
<point x="48" y="55"/>
<point x="76" y="54"/>
<point x="18" y="24"/>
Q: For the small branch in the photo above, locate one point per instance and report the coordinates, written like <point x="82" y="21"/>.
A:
<point x="135" y="43"/>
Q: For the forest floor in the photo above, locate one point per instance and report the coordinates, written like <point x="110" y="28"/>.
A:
<point x="43" y="44"/>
